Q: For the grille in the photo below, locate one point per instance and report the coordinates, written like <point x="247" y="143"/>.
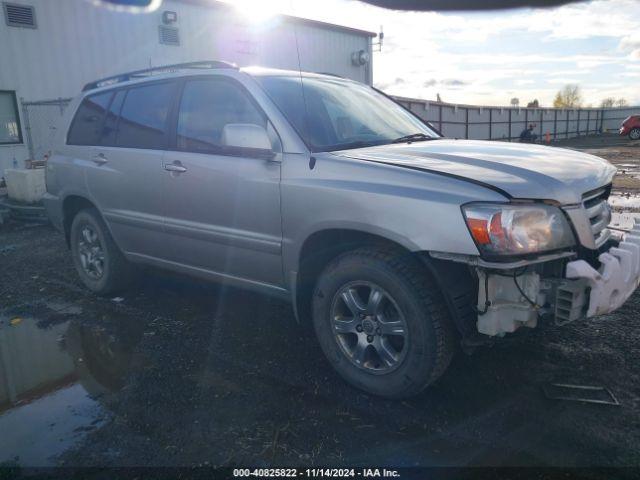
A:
<point x="19" y="15"/>
<point x="599" y="213"/>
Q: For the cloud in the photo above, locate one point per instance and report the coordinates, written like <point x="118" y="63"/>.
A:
<point x="564" y="81"/>
<point x="481" y="57"/>
<point x="452" y="82"/>
<point x="631" y="43"/>
<point x="386" y="85"/>
<point x="447" y="82"/>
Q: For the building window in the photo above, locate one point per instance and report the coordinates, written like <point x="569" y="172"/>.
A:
<point x="17" y="15"/>
<point x="9" y="119"/>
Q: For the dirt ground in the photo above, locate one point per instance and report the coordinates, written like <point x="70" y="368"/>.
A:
<point x="177" y="372"/>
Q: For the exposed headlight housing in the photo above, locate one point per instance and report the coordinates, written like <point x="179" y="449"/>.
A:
<point x="517" y="229"/>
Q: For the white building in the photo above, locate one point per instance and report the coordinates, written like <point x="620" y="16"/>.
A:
<point x="50" y="49"/>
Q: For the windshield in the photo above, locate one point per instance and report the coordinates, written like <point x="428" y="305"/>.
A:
<point x="341" y="114"/>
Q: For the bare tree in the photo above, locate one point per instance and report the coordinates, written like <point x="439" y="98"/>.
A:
<point x="569" y="97"/>
<point x="608" y="102"/>
<point x="534" y="104"/>
<point x="622" y="102"/>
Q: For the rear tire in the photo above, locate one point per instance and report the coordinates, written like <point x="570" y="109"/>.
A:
<point x="397" y="350"/>
<point x="634" y="134"/>
<point x="99" y="262"/>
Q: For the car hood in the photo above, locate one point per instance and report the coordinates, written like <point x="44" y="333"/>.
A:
<point x="518" y="170"/>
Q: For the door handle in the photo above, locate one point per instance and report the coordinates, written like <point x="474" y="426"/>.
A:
<point x="99" y="159"/>
<point x="173" y="167"/>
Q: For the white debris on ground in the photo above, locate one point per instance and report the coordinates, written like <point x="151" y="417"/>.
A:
<point x="626" y="209"/>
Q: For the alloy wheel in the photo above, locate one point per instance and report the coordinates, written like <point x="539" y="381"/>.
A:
<point x="369" y="327"/>
<point x="91" y="252"/>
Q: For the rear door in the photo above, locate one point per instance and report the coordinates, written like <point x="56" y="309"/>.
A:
<point x="125" y="173"/>
<point x="223" y="209"/>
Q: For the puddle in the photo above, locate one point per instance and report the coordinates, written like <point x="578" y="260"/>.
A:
<point x="52" y="378"/>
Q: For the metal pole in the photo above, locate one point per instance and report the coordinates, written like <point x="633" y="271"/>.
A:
<point x="588" y="118"/>
<point x="566" y="132"/>
<point x="578" y="125"/>
<point x="27" y="127"/>
<point x="466" y="123"/>
<point x="555" y="124"/>
<point x="490" y="123"/>
<point x="541" y="120"/>
<point x="509" y="125"/>
<point x="440" y="119"/>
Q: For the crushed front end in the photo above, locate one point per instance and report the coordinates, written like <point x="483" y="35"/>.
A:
<point x="593" y="276"/>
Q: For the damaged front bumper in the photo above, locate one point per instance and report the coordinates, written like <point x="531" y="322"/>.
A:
<point x="559" y="287"/>
<point x="507" y="302"/>
<point x="616" y="279"/>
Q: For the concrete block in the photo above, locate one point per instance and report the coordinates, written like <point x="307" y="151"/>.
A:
<point x="25" y="186"/>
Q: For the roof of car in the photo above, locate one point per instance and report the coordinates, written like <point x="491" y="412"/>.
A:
<point x="183" y="69"/>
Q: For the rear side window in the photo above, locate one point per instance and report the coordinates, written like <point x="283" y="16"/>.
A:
<point x="87" y="124"/>
<point x="208" y="105"/>
<point x="143" y="117"/>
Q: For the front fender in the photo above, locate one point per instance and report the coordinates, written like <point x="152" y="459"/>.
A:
<point x="417" y="210"/>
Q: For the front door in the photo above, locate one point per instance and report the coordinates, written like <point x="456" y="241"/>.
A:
<point x="222" y="211"/>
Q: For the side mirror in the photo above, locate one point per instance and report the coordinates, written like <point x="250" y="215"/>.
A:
<point x="253" y="139"/>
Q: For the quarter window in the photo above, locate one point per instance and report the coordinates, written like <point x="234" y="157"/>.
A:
<point x="87" y="124"/>
<point x="143" y="118"/>
<point x="9" y="119"/>
<point x="206" y="107"/>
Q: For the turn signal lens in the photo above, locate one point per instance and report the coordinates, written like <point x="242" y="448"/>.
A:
<point x="479" y="230"/>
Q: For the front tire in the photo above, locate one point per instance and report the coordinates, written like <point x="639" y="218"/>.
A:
<point x="100" y="264"/>
<point x="634" y="134"/>
<point x="382" y="322"/>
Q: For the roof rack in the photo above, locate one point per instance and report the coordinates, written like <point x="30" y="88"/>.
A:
<point x="123" y="77"/>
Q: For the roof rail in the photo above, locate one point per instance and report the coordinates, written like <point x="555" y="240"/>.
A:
<point x="330" y="74"/>
<point x="123" y="77"/>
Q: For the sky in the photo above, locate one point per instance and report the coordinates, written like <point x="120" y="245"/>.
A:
<point x="490" y="57"/>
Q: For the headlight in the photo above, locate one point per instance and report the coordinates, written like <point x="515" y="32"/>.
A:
<point x="504" y="229"/>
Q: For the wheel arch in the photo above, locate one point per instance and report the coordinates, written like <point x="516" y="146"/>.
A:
<point x="455" y="280"/>
<point x="318" y="250"/>
<point x="71" y="205"/>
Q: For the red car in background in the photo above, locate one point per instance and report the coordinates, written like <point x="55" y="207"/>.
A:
<point x="631" y="127"/>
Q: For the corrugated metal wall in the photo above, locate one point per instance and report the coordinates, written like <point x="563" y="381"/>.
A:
<point x="74" y="43"/>
<point x="505" y="123"/>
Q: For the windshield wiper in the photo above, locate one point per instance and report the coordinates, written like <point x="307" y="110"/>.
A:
<point x="351" y="145"/>
<point x="414" y="137"/>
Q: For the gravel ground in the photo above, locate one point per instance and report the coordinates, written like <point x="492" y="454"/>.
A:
<point x="186" y="373"/>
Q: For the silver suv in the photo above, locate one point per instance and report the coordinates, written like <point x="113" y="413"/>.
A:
<point x="395" y="242"/>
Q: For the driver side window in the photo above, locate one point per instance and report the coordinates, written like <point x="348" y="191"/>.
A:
<point x="206" y="107"/>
